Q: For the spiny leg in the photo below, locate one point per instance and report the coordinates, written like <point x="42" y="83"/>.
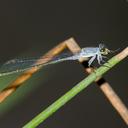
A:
<point x="91" y="60"/>
<point x="100" y="59"/>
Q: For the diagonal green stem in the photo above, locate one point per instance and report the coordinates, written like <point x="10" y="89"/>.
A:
<point x="74" y="91"/>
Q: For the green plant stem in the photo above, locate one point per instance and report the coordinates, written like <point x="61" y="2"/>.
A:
<point x="71" y="93"/>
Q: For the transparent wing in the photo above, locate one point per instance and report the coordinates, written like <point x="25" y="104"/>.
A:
<point x="19" y="65"/>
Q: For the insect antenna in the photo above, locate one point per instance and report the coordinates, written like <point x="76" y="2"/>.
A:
<point x="113" y="51"/>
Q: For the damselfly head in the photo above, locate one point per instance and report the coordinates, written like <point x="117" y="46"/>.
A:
<point x="104" y="50"/>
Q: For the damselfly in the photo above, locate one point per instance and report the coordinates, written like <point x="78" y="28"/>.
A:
<point x="90" y="53"/>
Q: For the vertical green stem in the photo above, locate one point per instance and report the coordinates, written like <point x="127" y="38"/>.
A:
<point x="71" y="93"/>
